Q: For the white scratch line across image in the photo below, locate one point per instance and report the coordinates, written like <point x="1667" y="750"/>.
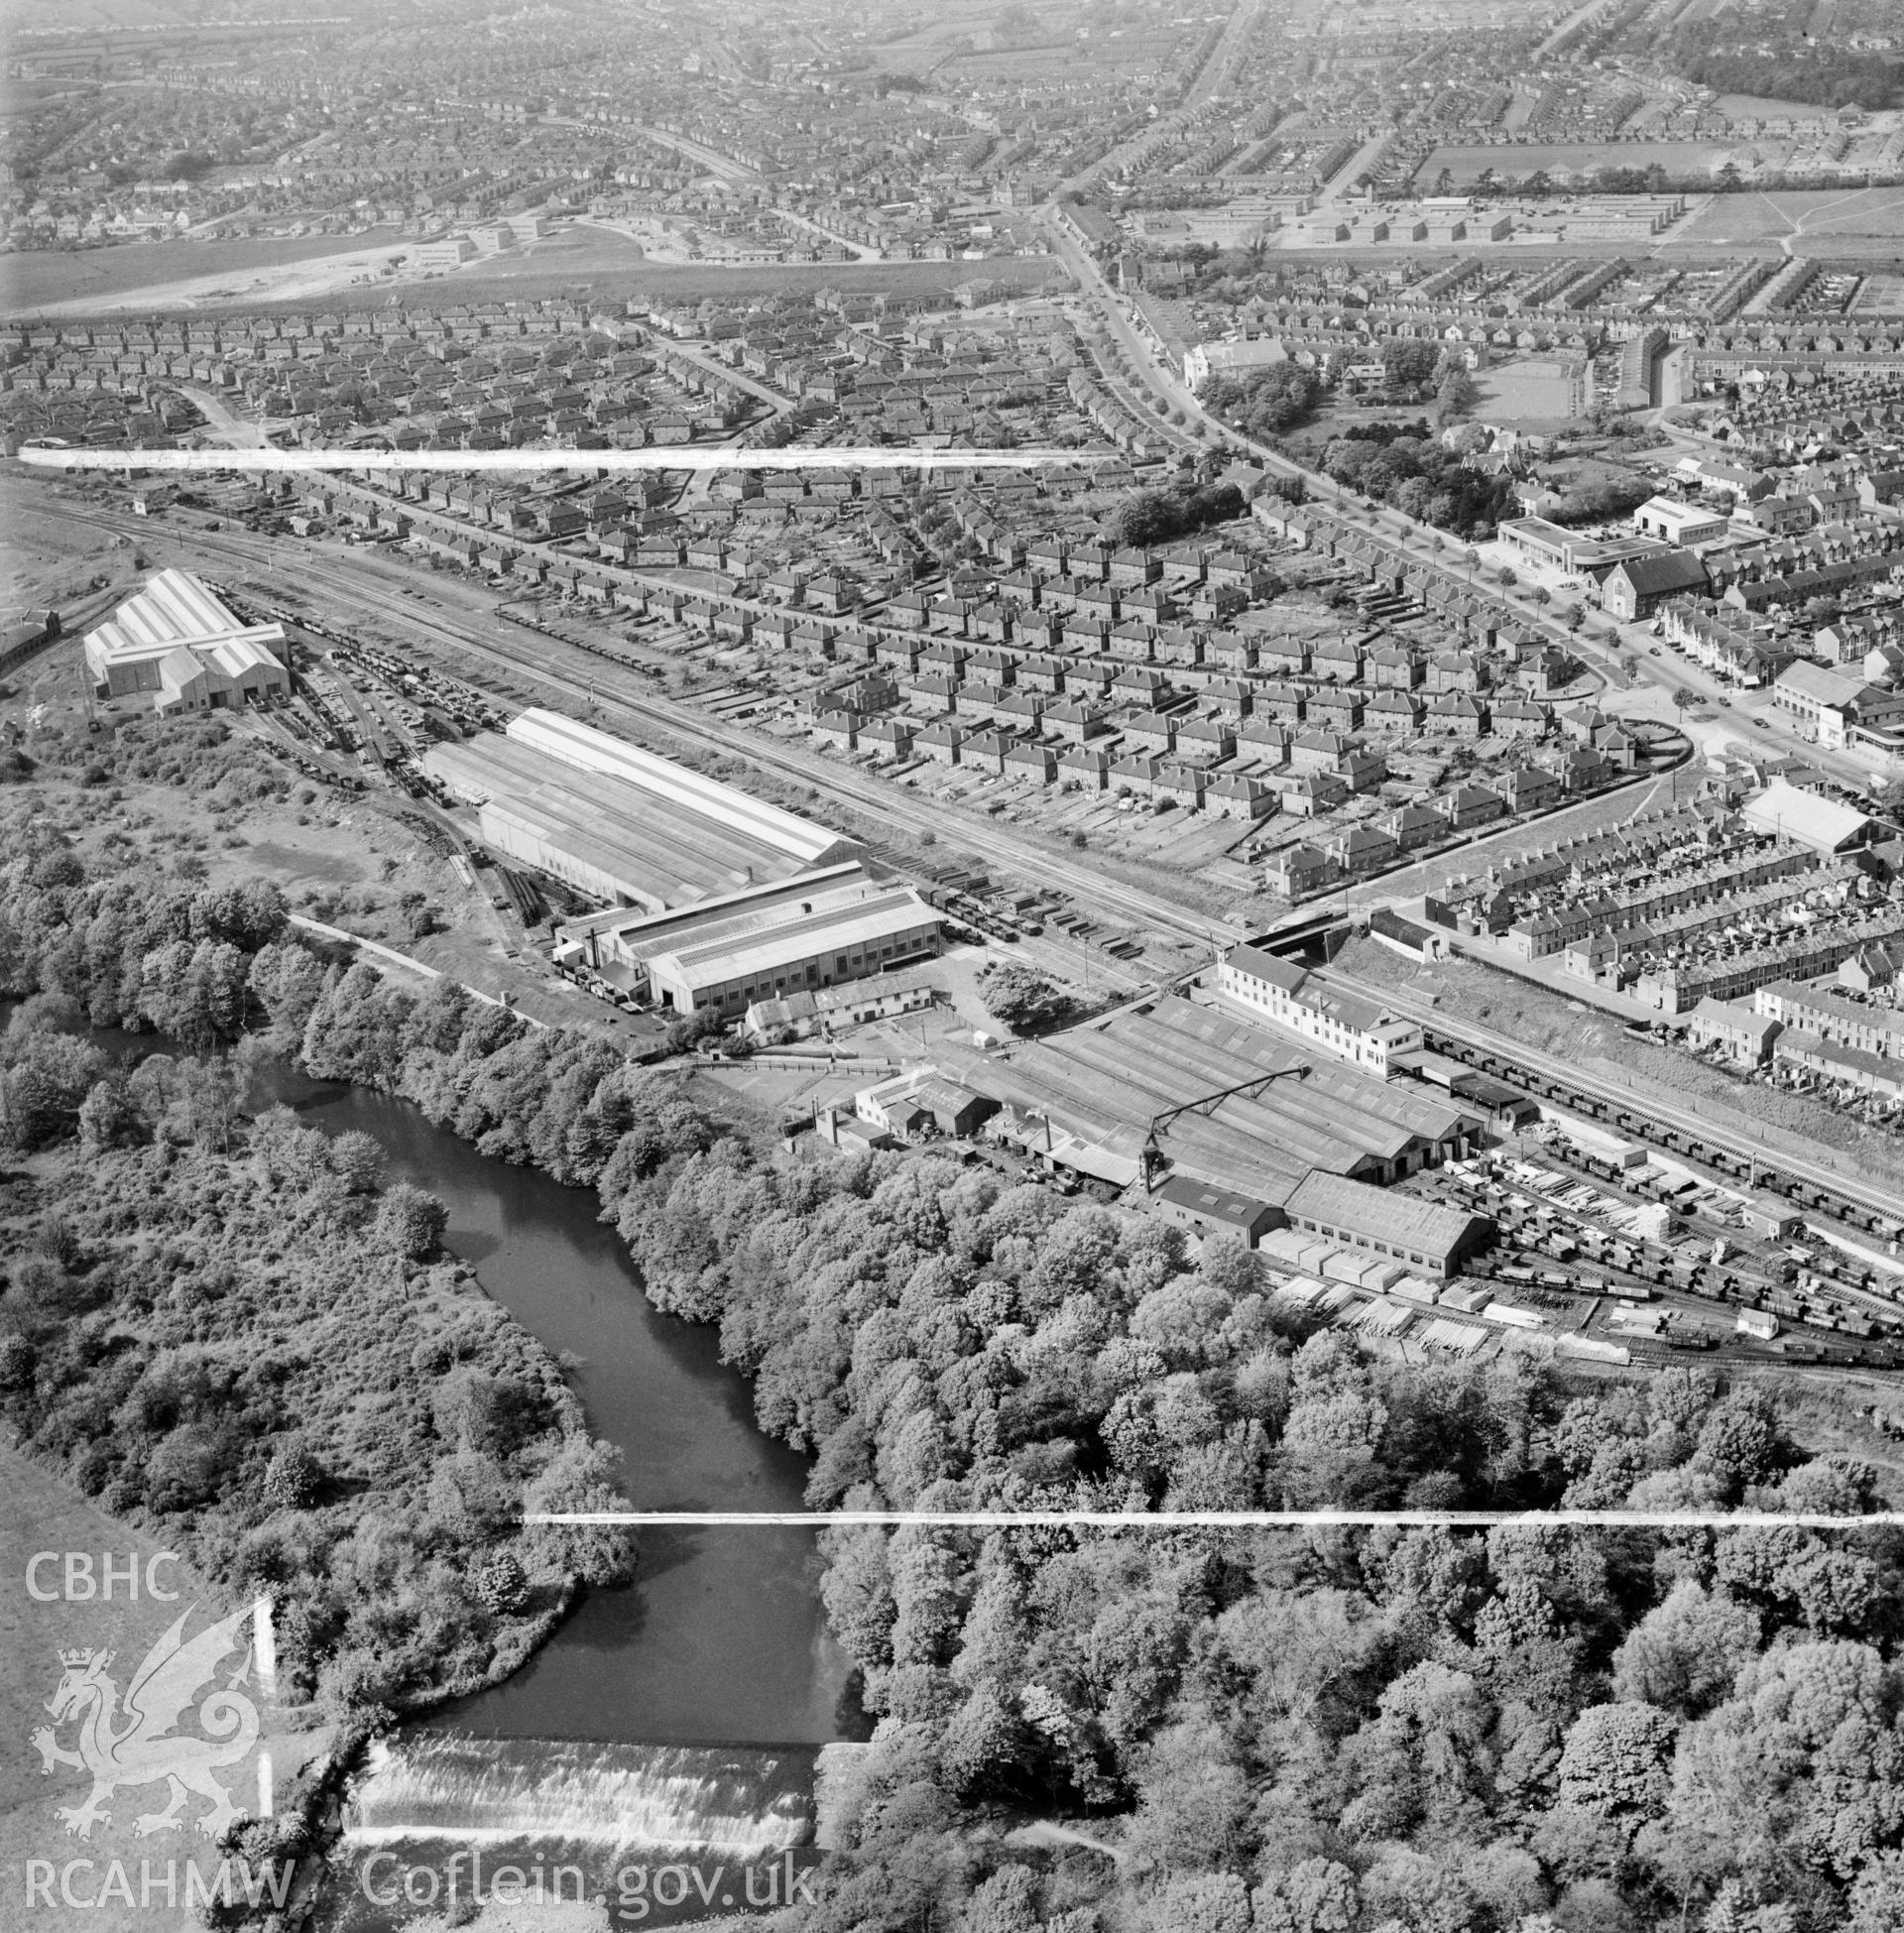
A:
<point x="1216" y="1519"/>
<point x="651" y="457"/>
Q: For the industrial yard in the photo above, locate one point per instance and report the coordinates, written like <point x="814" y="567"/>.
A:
<point x="1470" y="1213"/>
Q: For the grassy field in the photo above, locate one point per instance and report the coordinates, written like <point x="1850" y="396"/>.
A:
<point x="1535" y="394"/>
<point x="1828" y="216"/>
<point x="40" y="1513"/>
<point x="609" y="268"/>
<point x="31" y="280"/>
<point x="1468" y="165"/>
<point x="1755" y="107"/>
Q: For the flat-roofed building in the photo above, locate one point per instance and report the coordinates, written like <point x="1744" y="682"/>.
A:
<point x="1678" y="522"/>
<point x="764" y="943"/>
<point x="177" y="641"/>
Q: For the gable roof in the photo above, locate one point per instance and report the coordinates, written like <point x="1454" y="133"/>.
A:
<point x="1670" y="570"/>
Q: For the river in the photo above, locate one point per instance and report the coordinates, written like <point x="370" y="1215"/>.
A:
<point x="722" y="1638"/>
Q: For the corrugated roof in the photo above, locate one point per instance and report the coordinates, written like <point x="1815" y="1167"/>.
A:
<point x="658" y="849"/>
<point x="1809" y="817"/>
<point x="581" y="746"/>
<point x="176" y="609"/>
<point x="1404" y="1221"/>
<point x="828" y="928"/>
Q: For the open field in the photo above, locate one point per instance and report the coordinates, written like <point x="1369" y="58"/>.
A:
<point x="200" y="275"/>
<point x="185" y="275"/>
<point x="1755" y="107"/>
<point x="1537" y="393"/>
<point x="1828" y="216"/>
<point x="1468" y="165"/>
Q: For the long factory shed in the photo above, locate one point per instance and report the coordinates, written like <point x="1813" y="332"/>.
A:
<point x="622" y="825"/>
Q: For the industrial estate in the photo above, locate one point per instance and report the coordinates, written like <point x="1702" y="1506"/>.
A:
<point x="1493" y="573"/>
<point x="1353" y="735"/>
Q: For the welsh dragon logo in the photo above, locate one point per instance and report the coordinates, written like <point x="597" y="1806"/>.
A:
<point x="138" y="1746"/>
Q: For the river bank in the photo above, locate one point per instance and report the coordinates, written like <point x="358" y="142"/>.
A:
<point x="721" y="1639"/>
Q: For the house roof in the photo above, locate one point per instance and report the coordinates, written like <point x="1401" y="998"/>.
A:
<point x="1214" y="1203"/>
<point x="1670" y="570"/>
<point x="1827" y="684"/>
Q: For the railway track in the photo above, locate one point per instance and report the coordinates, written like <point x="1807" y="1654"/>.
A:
<point x="1679" y="1130"/>
<point x="549" y="661"/>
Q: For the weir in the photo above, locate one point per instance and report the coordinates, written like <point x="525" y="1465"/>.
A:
<point x="743" y="1802"/>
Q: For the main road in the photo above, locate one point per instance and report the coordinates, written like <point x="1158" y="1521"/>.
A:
<point x="1636" y="641"/>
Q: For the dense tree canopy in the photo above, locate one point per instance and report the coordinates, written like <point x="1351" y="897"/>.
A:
<point x="1358" y="1730"/>
<point x="1407" y="467"/>
<point x="1158" y="515"/>
<point x="1024" y="997"/>
<point x="1266" y="402"/>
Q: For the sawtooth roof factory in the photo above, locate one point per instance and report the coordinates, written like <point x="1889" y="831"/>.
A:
<point x="177" y="641"/>
<point x="621" y="825"/>
<point x="1226" y="1100"/>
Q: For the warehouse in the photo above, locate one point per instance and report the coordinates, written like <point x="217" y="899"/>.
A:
<point x="1790" y="813"/>
<point x="177" y="641"/>
<point x="620" y="824"/>
<point x="1221" y="1099"/>
<point x="761" y="944"/>
<point x="1420" y="1233"/>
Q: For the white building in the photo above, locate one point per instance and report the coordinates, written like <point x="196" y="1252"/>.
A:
<point x="1208" y="359"/>
<point x="175" y="640"/>
<point x="728" y="953"/>
<point x="1790" y="813"/>
<point x="1679" y="524"/>
<point x="1353" y="1029"/>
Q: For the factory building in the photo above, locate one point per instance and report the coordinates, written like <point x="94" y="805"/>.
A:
<point x="1423" y="1234"/>
<point x="176" y="641"/>
<point x="1203" y="1211"/>
<point x="620" y="824"/>
<point x="728" y="953"/>
<point x="1195" y="1091"/>
<point x="1791" y="812"/>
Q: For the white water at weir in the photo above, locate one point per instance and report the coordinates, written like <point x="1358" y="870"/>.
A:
<point x="743" y="1802"/>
